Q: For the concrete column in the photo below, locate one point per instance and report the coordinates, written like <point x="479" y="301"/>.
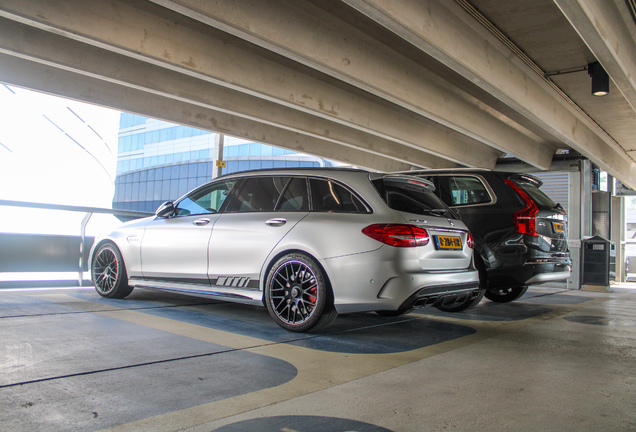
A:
<point x="580" y="217"/>
<point x="574" y="228"/>
<point x="610" y="189"/>
<point x="619" y="208"/>
<point x="586" y="199"/>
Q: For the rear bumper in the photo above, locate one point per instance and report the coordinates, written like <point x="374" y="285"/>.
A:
<point x="528" y="274"/>
<point x="549" y="277"/>
<point x="388" y="278"/>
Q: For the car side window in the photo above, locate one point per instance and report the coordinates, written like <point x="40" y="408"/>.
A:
<point x="259" y="194"/>
<point x="205" y="200"/>
<point x="464" y="190"/>
<point x="329" y="196"/>
<point x="296" y="197"/>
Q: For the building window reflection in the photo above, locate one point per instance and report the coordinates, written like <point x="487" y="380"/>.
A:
<point x="160" y="161"/>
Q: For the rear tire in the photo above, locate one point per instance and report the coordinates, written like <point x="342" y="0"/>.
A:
<point x="505" y="295"/>
<point x="109" y="272"/>
<point x="297" y="294"/>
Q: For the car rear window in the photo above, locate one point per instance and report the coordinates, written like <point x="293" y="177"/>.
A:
<point x="296" y="196"/>
<point x="542" y="201"/>
<point x="258" y="194"/>
<point x="410" y="198"/>
<point x="329" y="196"/>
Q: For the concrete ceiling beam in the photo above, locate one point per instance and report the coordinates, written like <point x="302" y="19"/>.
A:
<point x="327" y="44"/>
<point x="449" y="34"/>
<point x="52" y="80"/>
<point x="609" y="31"/>
<point x="561" y="164"/>
<point x="157" y="36"/>
<point x="46" y="48"/>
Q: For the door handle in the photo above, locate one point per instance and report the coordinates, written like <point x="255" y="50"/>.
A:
<point x="276" y="222"/>
<point x="201" y="222"/>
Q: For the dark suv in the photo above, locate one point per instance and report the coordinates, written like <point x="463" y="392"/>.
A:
<point x="520" y="233"/>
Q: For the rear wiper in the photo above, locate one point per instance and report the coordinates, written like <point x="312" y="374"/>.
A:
<point x="438" y="212"/>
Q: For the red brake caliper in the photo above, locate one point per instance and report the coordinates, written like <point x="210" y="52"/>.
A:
<point x="312" y="294"/>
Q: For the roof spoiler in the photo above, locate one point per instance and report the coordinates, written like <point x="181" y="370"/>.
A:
<point x="405" y="181"/>
<point x="527" y="178"/>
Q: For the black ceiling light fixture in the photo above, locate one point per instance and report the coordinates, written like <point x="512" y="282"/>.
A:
<point x="600" y="79"/>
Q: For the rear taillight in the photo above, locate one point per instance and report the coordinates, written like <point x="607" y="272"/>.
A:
<point x="397" y="235"/>
<point x="470" y="241"/>
<point x="526" y="218"/>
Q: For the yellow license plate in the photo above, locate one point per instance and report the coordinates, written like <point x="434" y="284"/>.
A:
<point x="558" y="227"/>
<point x="448" y="242"/>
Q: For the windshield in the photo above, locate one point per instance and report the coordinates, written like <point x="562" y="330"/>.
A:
<point x="405" y="197"/>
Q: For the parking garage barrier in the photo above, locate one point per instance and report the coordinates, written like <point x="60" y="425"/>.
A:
<point x="39" y="253"/>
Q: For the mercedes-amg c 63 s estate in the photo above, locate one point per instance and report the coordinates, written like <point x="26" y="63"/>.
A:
<point x="307" y="244"/>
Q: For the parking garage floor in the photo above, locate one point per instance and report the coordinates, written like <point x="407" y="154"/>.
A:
<point x="556" y="360"/>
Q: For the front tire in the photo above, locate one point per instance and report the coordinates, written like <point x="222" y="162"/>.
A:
<point x="505" y="295"/>
<point x="109" y="272"/>
<point x="297" y="294"/>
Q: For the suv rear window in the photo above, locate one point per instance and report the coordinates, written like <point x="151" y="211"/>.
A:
<point x="410" y="198"/>
<point x="530" y="187"/>
<point x="463" y="190"/>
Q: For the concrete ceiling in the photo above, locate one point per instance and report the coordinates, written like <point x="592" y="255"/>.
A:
<point x="542" y="31"/>
<point x="383" y="84"/>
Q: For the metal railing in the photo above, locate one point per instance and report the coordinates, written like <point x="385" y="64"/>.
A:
<point x="54" y="253"/>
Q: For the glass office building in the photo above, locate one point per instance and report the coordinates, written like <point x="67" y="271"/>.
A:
<point x="159" y="161"/>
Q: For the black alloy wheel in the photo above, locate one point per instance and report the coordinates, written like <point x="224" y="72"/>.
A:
<point x="297" y="294"/>
<point x="109" y="272"/>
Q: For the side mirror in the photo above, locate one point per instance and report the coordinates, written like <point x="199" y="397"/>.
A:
<point x="165" y="210"/>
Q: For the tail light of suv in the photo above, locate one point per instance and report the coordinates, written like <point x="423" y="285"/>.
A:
<point x="525" y="219"/>
<point x="398" y="235"/>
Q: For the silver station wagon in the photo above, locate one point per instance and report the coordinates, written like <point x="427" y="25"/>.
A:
<point x="307" y="244"/>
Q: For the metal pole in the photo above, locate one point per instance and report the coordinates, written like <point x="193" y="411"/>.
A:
<point x="80" y="271"/>
<point x="219" y="163"/>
